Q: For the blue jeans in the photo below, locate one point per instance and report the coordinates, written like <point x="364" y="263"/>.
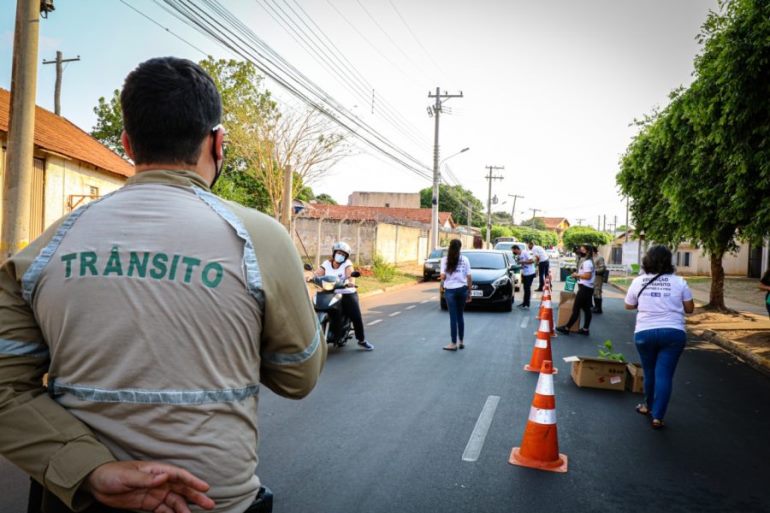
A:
<point x="659" y="350"/>
<point x="455" y="301"/>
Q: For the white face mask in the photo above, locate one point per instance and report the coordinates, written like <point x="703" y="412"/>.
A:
<point x="339" y="258"/>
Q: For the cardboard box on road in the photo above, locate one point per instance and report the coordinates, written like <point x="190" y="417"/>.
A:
<point x="601" y="373"/>
<point x="635" y="378"/>
<point x="566" y="301"/>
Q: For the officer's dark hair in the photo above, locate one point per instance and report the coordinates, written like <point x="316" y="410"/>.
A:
<point x="169" y="106"/>
<point x="657" y="260"/>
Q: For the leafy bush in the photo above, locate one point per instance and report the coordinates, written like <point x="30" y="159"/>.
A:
<point x="383" y="271"/>
<point x="574" y="236"/>
<point x="605" y="351"/>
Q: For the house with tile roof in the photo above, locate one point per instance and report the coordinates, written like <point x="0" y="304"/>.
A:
<point x="71" y="168"/>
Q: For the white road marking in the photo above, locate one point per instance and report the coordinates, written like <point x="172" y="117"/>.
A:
<point x="479" y="434"/>
<point x="411" y="306"/>
<point x="525" y="322"/>
<point x="433" y="298"/>
<point x="374" y="322"/>
<point x="426" y="301"/>
<point x="394" y="314"/>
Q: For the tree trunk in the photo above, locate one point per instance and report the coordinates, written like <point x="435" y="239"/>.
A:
<point x="717" y="292"/>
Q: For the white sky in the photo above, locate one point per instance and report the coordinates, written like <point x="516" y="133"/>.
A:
<point x="550" y="86"/>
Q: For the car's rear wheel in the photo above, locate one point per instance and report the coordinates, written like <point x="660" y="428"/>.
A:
<point x="507" y="306"/>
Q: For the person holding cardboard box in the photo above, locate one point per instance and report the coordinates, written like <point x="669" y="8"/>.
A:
<point x="662" y="299"/>
<point x="584" y="298"/>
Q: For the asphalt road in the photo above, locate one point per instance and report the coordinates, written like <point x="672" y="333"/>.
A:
<point x="386" y="430"/>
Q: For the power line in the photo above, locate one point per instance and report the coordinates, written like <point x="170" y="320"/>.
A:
<point x="236" y="37"/>
<point x="330" y="62"/>
<point x="409" y="28"/>
<point x="164" y="28"/>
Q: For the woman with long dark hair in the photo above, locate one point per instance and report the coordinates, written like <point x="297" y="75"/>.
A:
<point x="457" y="281"/>
<point x="584" y="297"/>
<point x="662" y="299"/>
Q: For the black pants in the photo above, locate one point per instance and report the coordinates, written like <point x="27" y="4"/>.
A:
<point x="583" y="301"/>
<point x="542" y="268"/>
<point x="353" y="310"/>
<point x="527" y="283"/>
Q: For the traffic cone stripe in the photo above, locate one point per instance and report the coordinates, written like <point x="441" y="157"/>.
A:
<point x="544" y="327"/>
<point x="547" y="303"/>
<point x="546" y="417"/>
<point x="545" y="386"/>
<point x="541" y="343"/>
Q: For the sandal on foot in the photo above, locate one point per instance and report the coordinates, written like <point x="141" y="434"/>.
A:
<point x="450" y="348"/>
<point x="642" y="409"/>
<point x="657" y="424"/>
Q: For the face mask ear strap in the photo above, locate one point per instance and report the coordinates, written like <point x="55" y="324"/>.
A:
<point x="215" y="157"/>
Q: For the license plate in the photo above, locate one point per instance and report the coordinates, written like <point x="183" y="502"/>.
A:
<point x="477" y="293"/>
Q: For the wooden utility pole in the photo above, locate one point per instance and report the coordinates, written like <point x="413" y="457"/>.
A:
<point x="287" y="202"/>
<point x="435" y="111"/>
<point x="17" y="183"/>
<point x="534" y="213"/>
<point x="513" y="208"/>
<point x="59" y="72"/>
<point x="489" y="178"/>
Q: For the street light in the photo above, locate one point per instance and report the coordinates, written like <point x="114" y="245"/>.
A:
<point x="434" y="203"/>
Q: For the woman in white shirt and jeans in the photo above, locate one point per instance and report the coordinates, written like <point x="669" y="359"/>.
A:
<point x="662" y="300"/>
<point x="456" y="280"/>
<point x="584" y="297"/>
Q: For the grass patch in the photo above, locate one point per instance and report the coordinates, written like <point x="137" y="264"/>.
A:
<point x="371" y="283"/>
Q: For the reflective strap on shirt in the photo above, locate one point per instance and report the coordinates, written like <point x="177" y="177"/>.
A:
<point x="29" y="280"/>
<point x="18" y="348"/>
<point x="253" y="275"/>
<point x="145" y="396"/>
<point x="295" y="358"/>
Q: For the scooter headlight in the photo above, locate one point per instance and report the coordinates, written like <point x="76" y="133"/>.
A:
<point x="328" y="283"/>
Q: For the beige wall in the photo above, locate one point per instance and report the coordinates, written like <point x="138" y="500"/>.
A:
<point x="64" y="178"/>
<point x="700" y="264"/>
<point x="385" y="199"/>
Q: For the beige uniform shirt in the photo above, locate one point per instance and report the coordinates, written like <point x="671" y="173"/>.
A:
<point x="157" y="312"/>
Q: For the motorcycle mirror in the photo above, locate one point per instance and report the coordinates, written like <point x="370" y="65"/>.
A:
<point x="355" y="274"/>
<point x="308" y="267"/>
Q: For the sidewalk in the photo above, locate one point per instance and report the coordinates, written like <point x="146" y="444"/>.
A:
<point x="745" y="334"/>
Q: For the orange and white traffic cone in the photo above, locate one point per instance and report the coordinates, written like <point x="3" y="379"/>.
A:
<point x="540" y="444"/>
<point x="542" y="350"/>
<point x="546" y="312"/>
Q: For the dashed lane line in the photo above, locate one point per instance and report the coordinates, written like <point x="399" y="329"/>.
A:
<point x="480" y="430"/>
<point x="411" y="306"/>
<point x="374" y="322"/>
<point x="394" y="314"/>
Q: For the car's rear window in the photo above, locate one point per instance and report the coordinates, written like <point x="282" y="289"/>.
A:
<point x="437" y="253"/>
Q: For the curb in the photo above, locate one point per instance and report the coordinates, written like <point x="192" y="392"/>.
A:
<point x="759" y="363"/>
<point x="756" y="362"/>
<point x="376" y="292"/>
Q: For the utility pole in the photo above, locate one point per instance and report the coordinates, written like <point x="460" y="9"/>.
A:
<point x="580" y="221"/>
<point x="604" y="224"/>
<point x="599" y="223"/>
<point x="513" y="208"/>
<point x="614" y="224"/>
<point x="534" y="213"/>
<point x="489" y="178"/>
<point x="435" y="111"/>
<point x="17" y="185"/>
<point x="470" y="214"/>
<point x="287" y="201"/>
<point x="59" y="71"/>
<point x="627" y="228"/>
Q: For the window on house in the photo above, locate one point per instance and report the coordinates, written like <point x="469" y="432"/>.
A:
<point x="683" y="258"/>
<point x="387" y="205"/>
<point x="93" y="191"/>
<point x="686" y="259"/>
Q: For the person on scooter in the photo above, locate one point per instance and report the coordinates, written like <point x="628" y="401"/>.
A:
<point x="339" y="265"/>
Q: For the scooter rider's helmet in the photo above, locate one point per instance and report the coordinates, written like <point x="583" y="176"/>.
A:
<point x="342" y="247"/>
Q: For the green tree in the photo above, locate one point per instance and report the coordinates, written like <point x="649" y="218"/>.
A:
<point x="536" y="223"/>
<point x="700" y="169"/>
<point x="576" y="235"/>
<point x="455" y="199"/>
<point x="109" y="123"/>
<point x="325" y="199"/>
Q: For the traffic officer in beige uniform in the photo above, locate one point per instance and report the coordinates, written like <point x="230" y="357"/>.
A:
<point x="600" y="267"/>
<point x="157" y="312"/>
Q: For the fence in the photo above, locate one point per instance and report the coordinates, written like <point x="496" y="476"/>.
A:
<point x="396" y="243"/>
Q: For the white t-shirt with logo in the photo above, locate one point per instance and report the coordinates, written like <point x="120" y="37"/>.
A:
<point x="540" y="253"/>
<point x="660" y="305"/>
<point x="459" y="278"/>
<point x="340" y="273"/>
<point x="587" y="266"/>
<point x="526" y="269"/>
